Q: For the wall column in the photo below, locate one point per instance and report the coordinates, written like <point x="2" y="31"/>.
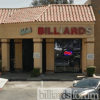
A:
<point x="87" y="49"/>
<point x="38" y="50"/>
<point x="90" y="50"/>
<point x="5" y="54"/>
<point x="18" y="54"/>
<point x="84" y="55"/>
<point x="50" y="55"/>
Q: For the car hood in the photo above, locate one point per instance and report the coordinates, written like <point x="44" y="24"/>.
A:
<point x="80" y="90"/>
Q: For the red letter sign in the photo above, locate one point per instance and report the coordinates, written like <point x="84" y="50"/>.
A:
<point x="73" y="30"/>
<point x="46" y="30"/>
<point x="81" y="30"/>
<point x="66" y="31"/>
<point x="49" y="31"/>
<point x="55" y="31"/>
<point x="40" y="30"/>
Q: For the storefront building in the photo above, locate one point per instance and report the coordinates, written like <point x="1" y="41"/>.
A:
<point x="54" y="38"/>
<point x="96" y="9"/>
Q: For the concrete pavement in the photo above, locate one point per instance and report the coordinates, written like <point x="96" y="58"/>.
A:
<point x="2" y="83"/>
<point x="28" y="90"/>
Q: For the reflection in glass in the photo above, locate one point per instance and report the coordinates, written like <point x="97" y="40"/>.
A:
<point x="67" y="55"/>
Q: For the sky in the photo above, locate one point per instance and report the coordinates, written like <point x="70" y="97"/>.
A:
<point x="25" y="3"/>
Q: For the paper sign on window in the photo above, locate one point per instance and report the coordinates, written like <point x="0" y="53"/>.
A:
<point x="36" y="55"/>
<point x="90" y="56"/>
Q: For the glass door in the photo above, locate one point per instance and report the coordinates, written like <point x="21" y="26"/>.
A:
<point x="67" y="55"/>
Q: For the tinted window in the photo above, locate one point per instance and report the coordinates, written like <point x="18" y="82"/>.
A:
<point x="68" y="55"/>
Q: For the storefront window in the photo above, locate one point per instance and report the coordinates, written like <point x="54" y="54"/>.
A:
<point x="67" y="55"/>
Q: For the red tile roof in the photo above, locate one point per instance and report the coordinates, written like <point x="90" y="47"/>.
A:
<point x="49" y="13"/>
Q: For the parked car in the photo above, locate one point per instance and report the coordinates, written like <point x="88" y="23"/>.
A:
<point x="87" y="89"/>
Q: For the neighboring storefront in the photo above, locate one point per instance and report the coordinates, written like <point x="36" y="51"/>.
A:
<point x="54" y="38"/>
<point x="96" y="9"/>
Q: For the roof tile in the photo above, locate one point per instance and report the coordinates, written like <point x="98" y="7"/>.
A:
<point x="49" y="13"/>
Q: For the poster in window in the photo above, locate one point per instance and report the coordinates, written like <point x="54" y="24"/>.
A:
<point x="36" y="55"/>
<point x="90" y="56"/>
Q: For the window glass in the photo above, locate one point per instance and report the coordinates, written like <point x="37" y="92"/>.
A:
<point x="87" y="83"/>
<point x="67" y="54"/>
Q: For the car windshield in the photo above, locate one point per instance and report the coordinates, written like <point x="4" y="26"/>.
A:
<point x="87" y="83"/>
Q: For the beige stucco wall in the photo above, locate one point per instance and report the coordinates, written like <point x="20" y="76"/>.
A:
<point x="96" y="9"/>
<point x="84" y="55"/>
<point x="87" y="48"/>
<point x="12" y="31"/>
<point x="49" y="54"/>
<point x="5" y="54"/>
<point x="90" y="50"/>
<point x="38" y="49"/>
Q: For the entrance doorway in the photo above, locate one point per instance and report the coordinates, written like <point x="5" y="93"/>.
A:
<point x="44" y="56"/>
<point x="12" y="55"/>
<point x="27" y="54"/>
<point x="68" y="55"/>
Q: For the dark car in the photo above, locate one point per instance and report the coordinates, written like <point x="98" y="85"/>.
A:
<point x="85" y="89"/>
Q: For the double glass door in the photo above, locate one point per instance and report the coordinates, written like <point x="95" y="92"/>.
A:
<point x="68" y="55"/>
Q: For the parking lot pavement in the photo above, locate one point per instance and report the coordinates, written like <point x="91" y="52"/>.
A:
<point x="28" y="90"/>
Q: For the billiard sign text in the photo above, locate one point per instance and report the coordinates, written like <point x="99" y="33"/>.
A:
<point x="66" y="30"/>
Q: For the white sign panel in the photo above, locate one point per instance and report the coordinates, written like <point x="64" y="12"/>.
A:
<point x="36" y="55"/>
<point x="90" y="56"/>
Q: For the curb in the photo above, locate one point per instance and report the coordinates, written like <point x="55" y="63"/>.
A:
<point x="45" y="79"/>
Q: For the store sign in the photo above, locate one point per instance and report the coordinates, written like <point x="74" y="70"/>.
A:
<point x="25" y="31"/>
<point x="73" y="30"/>
<point x="68" y="53"/>
<point x="36" y="55"/>
<point x="90" y="56"/>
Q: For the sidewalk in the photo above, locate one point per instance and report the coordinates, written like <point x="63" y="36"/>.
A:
<point x="43" y="77"/>
<point x="2" y="82"/>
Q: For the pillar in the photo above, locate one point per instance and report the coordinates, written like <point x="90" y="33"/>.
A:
<point x="84" y="55"/>
<point x="5" y="54"/>
<point x="37" y="53"/>
<point x="90" y="51"/>
<point x="50" y="55"/>
<point x="18" y="54"/>
<point x="87" y="53"/>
